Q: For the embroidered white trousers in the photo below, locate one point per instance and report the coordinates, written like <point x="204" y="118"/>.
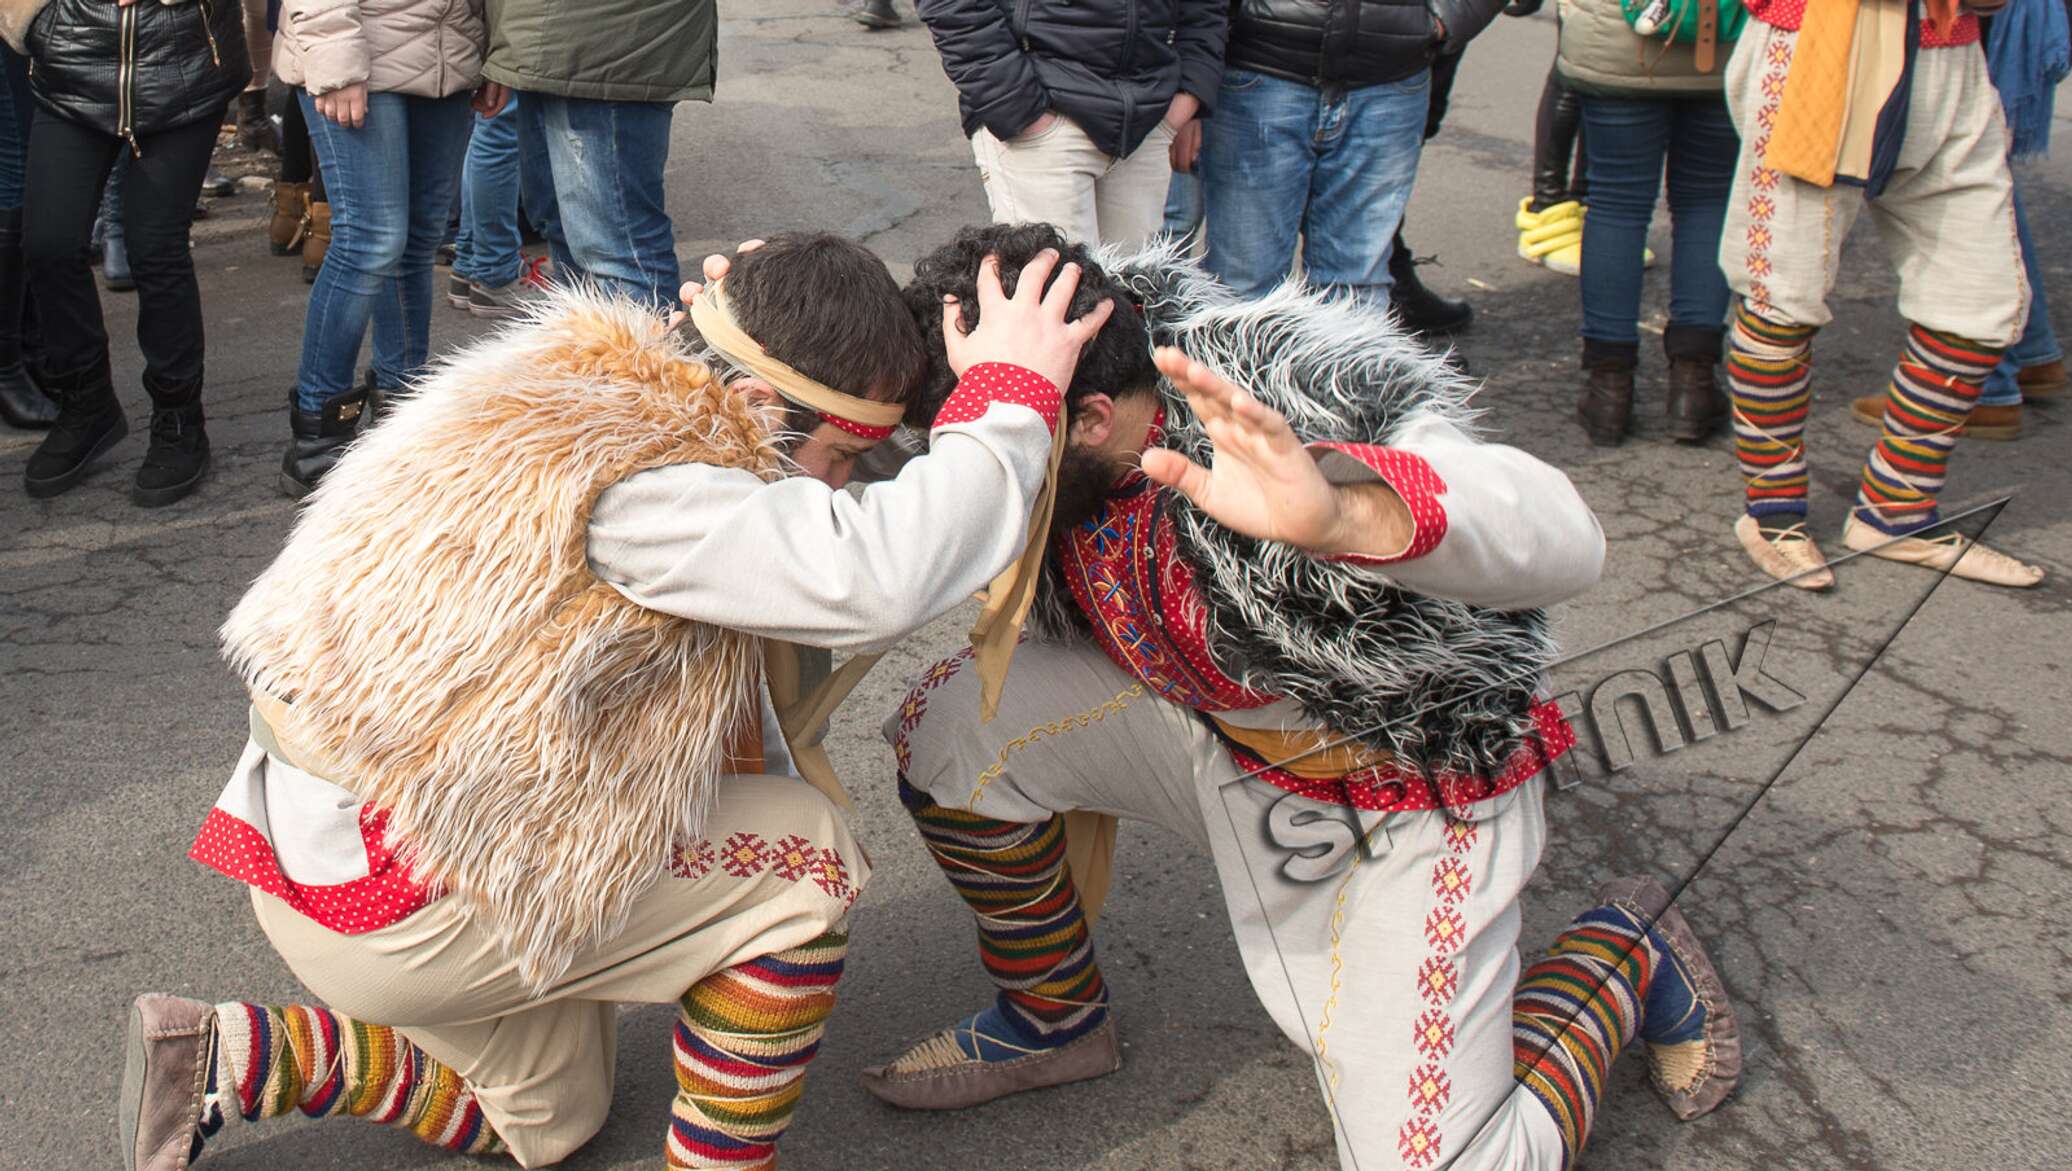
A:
<point x="1946" y="216"/>
<point x="1393" y="965"/>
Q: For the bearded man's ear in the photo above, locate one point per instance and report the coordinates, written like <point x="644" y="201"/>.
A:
<point x="1093" y="420"/>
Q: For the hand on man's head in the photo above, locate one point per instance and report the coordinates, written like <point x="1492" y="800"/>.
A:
<point x="1031" y="329"/>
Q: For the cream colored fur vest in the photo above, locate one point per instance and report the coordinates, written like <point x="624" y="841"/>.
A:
<point x="536" y="739"/>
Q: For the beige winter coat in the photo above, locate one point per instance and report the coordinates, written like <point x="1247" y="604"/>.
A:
<point x="430" y="48"/>
<point x="1601" y="54"/>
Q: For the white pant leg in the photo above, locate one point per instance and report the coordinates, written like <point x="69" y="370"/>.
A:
<point x="1395" y="971"/>
<point x="1130" y="199"/>
<point x="1048" y="177"/>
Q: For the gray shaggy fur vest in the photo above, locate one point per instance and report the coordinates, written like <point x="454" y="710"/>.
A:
<point x="1440" y="685"/>
<point x="536" y="740"/>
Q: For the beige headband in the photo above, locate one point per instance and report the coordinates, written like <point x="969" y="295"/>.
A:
<point x="717" y="326"/>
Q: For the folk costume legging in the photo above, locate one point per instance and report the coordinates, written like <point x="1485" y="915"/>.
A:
<point x="742" y="1041"/>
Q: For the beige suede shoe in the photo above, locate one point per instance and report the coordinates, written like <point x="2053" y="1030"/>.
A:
<point x="164" y="1072"/>
<point x="1954" y="552"/>
<point x="938" y="1074"/>
<point x="1787" y="554"/>
<point x="1693" y="1077"/>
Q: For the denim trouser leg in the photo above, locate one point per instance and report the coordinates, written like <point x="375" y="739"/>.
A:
<point x="608" y="160"/>
<point x="2039" y="342"/>
<point x="1183" y="210"/>
<point x="1702" y="151"/>
<point x="1281" y="158"/>
<point x="536" y="198"/>
<point x="1626" y="140"/>
<point x="487" y="251"/>
<point x="391" y="183"/>
<point x="17" y="110"/>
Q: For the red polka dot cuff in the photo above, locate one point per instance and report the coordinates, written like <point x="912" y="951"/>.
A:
<point x="1408" y="475"/>
<point x="997" y="382"/>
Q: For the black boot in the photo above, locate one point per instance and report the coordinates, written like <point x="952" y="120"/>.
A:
<point x="877" y="14"/>
<point x="22" y="403"/>
<point x="89" y="422"/>
<point x="1697" y="406"/>
<point x="1421" y="310"/>
<point x="179" y="454"/>
<point x="1606" y="406"/>
<point x="320" y="439"/>
<point x="380" y="401"/>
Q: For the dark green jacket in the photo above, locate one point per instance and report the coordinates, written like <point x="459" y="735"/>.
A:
<point x="608" y="50"/>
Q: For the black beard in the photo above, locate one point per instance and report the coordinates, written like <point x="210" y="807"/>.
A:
<point x="1085" y="478"/>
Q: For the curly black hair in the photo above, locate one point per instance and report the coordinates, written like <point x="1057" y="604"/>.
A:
<point x="1116" y="363"/>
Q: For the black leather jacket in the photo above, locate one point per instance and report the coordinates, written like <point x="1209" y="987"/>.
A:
<point x="1111" y="66"/>
<point x="1346" y="44"/>
<point x="135" y="71"/>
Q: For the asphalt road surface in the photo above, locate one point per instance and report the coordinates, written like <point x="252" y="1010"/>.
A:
<point x="1889" y="913"/>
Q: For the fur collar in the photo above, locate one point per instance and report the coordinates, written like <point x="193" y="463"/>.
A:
<point x="1437" y="683"/>
<point x="536" y="740"/>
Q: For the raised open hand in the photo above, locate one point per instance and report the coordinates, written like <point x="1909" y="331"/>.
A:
<point x="1264" y="483"/>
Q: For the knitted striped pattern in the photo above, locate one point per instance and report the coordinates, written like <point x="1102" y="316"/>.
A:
<point x="1933" y="388"/>
<point x="1574" y="1012"/>
<point x="1770" y="376"/>
<point x="743" y="1039"/>
<point x="1033" y="938"/>
<point x="274" y="1060"/>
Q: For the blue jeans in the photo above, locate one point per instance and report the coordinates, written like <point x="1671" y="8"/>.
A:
<point x="2039" y="342"/>
<point x="1282" y="160"/>
<point x="608" y="223"/>
<point x="1183" y="212"/>
<point x="1627" y="140"/>
<point x="487" y="250"/>
<point x="17" y="110"/>
<point x="391" y="184"/>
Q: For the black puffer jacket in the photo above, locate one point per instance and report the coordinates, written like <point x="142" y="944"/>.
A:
<point x="184" y="61"/>
<point x="1346" y="44"/>
<point x="1111" y="66"/>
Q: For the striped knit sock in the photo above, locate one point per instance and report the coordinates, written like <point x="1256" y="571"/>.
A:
<point x="1032" y="936"/>
<point x="1574" y="1012"/>
<point x="273" y="1060"/>
<point x="1770" y="376"/>
<point x="1937" y="380"/>
<point x="743" y="1039"/>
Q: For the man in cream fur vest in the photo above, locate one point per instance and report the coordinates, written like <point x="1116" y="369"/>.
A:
<point x="511" y="760"/>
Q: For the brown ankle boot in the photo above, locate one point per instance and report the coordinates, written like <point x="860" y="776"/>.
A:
<point x="1696" y="405"/>
<point x="290" y="203"/>
<point x="2046" y="381"/>
<point x="316" y="239"/>
<point x="1606" y="407"/>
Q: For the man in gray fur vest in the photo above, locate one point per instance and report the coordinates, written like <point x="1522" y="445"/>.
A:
<point x="1319" y="658"/>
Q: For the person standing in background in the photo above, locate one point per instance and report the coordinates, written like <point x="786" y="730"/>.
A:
<point x="1072" y="108"/>
<point x="384" y="88"/>
<point x="150" y="82"/>
<point x="600" y="94"/>
<point x="1320" y="121"/>
<point x="22" y="403"/>
<point x="491" y="276"/>
<point x="1647" y="100"/>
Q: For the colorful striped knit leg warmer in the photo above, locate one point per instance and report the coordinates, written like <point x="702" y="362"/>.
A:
<point x="1770" y="376"/>
<point x="273" y="1060"/>
<point x="743" y="1040"/>
<point x="1937" y="380"/>
<point x="1032" y="935"/>
<point x="1574" y="1012"/>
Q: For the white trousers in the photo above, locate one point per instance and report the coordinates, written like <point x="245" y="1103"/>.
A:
<point x="1946" y="216"/>
<point x="1394" y="966"/>
<point x="1060" y="177"/>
